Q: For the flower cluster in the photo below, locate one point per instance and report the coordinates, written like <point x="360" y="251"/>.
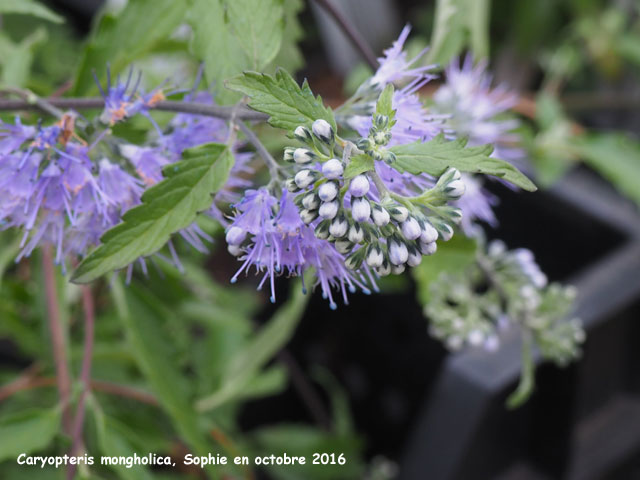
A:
<point x="361" y="218"/>
<point x="462" y="312"/>
<point x="62" y="191"/>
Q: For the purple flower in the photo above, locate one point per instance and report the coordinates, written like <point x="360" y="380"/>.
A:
<point x="474" y="108"/>
<point x="278" y="243"/>
<point x="394" y="66"/>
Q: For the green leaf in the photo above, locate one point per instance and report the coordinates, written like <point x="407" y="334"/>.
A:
<point x="290" y="57"/>
<point x="288" y="104"/>
<point x="18" y="58"/>
<point x="233" y="36"/>
<point x="266" y="343"/>
<point x="29" y="7"/>
<point x="140" y="314"/>
<point x="258" y="26"/>
<point x="358" y="164"/>
<point x="452" y="257"/>
<point x="167" y="207"/>
<point x="28" y="431"/>
<point x="384" y="105"/>
<point x="459" y="23"/>
<point x="616" y="157"/>
<point x="435" y="156"/>
<point x="113" y="442"/>
<point x="119" y="40"/>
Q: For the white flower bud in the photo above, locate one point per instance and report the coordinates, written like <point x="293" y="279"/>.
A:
<point x="398" y="253"/>
<point x="384" y="270"/>
<point x="343" y="246"/>
<point x="339" y="227"/>
<point x="235" y="235"/>
<point x="328" y="191"/>
<point x="291" y="185"/>
<point x="428" y="234"/>
<point x="302" y="133"/>
<point x="302" y="156"/>
<point x="455" y="189"/>
<point x="329" y="210"/>
<point x="359" y="186"/>
<point x="415" y="258"/>
<point x="397" y="269"/>
<point x="399" y="213"/>
<point x="322" y="230"/>
<point x="304" y="178"/>
<point x="375" y="257"/>
<point x="310" y="201"/>
<point x="411" y="229"/>
<point x="353" y="261"/>
<point x="356" y="233"/>
<point x="446" y="232"/>
<point x="360" y="209"/>
<point x="234" y="250"/>
<point x="475" y="337"/>
<point x="129" y="151"/>
<point x="428" y="248"/>
<point x="288" y="154"/>
<point x="380" y="216"/>
<point x="332" y="169"/>
<point x="308" y="216"/>
<point x="323" y="131"/>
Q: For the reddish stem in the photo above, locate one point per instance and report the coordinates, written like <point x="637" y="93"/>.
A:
<point x="58" y="344"/>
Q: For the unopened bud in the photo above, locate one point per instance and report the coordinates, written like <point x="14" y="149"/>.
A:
<point x="323" y="131"/>
<point x="356" y="233"/>
<point x="399" y="213"/>
<point x="411" y="228"/>
<point x="310" y="201"/>
<point x="398" y="253"/>
<point x="235" y="235"/>
<point x="304" y="178"/>
<point x="374" y="256"/>
<point x="332" y="169"/>
<point x="328" y="191"/>
<point x="339" y="227"/>
<point x="380" y="216"/>
<point x="302" y="133"/>
<point x="360" y="209"/>
<point x="308" y="216"/>
<point x="329" y="210"/>
<point x="359" y="186"/>
<point x="303" y="156"/>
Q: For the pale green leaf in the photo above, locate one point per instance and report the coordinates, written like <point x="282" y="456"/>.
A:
<point x="118" y="40"/>
<point x="29" y="7"/>
<point x="616" y="157"/>
<point x="17" y="58"/>
<point x="358" y="164"/>
<point x="435" y="156"/>
<point x="527" y="377"/>
<point x="459" y="23"/>
<point x="384" y="105"/>
<point x="28" y="431"/>
<point x="140" y="314"/>
<point x="167" y="207"/>
<point x="258" y="27"/>
<point x="280" y="97"/>
<point x="265" y="344"/>
<point x="290" y="57"/>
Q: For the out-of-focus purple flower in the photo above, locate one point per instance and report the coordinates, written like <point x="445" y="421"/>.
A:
<point x="277" y="242"/>
<point x="396" y="68"/>
<point x="13" y="136"/>
<point x="473" y="108"/>
<point x="477" y="205"/>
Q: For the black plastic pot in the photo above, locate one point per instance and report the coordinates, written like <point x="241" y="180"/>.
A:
<point x="582" y="422"/>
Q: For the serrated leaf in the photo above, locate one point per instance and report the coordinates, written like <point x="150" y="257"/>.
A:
<point x="29" y="7"/>
<point x="435" y="156"/>
<point x="28" y="431"/>
<point x="280" y="97"/>
<point x="358" y="164"/>
<point x="258" y="27"/>
<point x="123" y="38"/>
<point x="167" y="207"/>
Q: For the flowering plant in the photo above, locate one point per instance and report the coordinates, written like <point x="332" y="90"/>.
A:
<point x="377" y="186"/>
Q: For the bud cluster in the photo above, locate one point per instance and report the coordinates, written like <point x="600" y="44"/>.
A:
<point x="371" y="229"/>
<point x="462" y="311"/>
<point x="379" y="137"/>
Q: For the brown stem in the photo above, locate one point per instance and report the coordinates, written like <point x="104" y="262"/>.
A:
<point x="350" y="31"/>
<point x="58" y="343"/>
<point x="306" y="391"/>
<point x="85" y="373"/>
<point x="221" y="111"/>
